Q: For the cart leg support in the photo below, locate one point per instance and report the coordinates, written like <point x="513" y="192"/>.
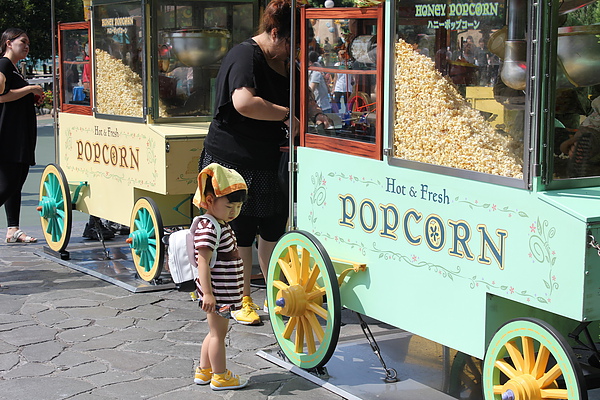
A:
<point x="391" y="375"/>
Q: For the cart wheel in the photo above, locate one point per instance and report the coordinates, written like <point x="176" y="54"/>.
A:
<point x="465" y="378"/>
<point x="55" y="208"/>
<point x="528" y="359"/>
<point x="145" y="239"/>
<point x="300" y="277"/>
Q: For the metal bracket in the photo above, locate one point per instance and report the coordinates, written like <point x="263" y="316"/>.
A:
<point x="391" y="375"/>
<point x="592" y="243"/>
<point x="77" y="192"/>
<point x="355" y="267"/>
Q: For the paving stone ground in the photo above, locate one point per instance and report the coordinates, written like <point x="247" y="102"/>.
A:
<point x="68" y="335"/>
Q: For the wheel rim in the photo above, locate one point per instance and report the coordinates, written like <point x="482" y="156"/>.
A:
<point x="300" y="275"/>
<point x="145" y="239"/>
<point x="529" y="360"/>
<point x="55" y="208"/>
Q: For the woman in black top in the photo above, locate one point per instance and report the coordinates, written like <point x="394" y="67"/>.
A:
<point x="18" y="130"/>
<point x="250" y="123"/>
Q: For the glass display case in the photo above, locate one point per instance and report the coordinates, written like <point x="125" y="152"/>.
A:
<point x="341" y="82"/>
<point x="119" y="41"/>
<point x="75" y="68"/>
<point x="192" y="38"/>
<point x="452" y="107"/>
<point x="575" y="147"/>
<point x="462" y="73"/>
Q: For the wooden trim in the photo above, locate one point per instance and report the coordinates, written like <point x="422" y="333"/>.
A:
<point x="66" y="107"/>
<point x="339" y="145"/>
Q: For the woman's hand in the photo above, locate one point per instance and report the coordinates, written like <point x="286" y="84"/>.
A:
<point x="295" y="126"/>
<point x="16" y="94"/>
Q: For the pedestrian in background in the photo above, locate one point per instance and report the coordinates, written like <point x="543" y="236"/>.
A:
<point x="18" y="129"/>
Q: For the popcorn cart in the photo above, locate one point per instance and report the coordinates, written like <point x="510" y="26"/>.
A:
<point x="136" y="98"/>
<point x="456" y="193"/>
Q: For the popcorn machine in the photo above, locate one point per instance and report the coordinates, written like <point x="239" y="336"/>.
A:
<point x="135" y="101"/>
<point x="459" y="199"/>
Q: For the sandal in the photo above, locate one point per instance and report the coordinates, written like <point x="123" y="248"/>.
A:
<point x="16" y="238"/>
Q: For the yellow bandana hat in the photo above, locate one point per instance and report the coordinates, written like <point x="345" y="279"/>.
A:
<point x="224" y="182"/>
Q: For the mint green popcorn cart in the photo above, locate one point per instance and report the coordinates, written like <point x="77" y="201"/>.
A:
<point x="455" y="193"/>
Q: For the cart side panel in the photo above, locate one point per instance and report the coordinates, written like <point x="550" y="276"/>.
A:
<point x="182" y="164"/>
<point x="114" y="157"/>
<point x="435" y="245"/>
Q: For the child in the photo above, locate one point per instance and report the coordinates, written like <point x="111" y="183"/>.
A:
<point x="221" y="192"/>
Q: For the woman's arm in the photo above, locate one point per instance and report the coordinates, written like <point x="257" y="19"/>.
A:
<point x="2" y="82"/>
<point x="16" y="94"/>
<point x="247" y="103"/>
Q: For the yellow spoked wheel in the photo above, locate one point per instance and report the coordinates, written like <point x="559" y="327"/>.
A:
<point x="145" y="239"/>
<point x="304" y="300"/>
<point x="55" y="208"/>
<point x="528" y="359"/>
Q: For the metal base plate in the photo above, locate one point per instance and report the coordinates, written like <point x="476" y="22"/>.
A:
<point x="90" y="257"/>
<point x="354" y="372"/>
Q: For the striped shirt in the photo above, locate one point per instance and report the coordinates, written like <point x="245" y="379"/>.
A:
<point x="227" y="275"/>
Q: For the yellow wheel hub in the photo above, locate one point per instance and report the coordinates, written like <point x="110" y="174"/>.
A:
<point x="523" y="387"/>
<point x="292" y="301"/>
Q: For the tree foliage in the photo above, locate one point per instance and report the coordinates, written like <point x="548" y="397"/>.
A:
<point x="34" y="16"/>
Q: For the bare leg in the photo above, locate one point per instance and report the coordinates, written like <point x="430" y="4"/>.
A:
<point x="246" y="255"/>
<point x="216" y="345"/>
<point x="204" y="359"/>
<point x="265" y="249"/>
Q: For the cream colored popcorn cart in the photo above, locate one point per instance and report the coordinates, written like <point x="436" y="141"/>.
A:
<point x="459" y="198"/>
<point x="135" y="100"/>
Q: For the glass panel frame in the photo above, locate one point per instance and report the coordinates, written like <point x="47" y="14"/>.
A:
<point x="192" y="38"/>
<point x="119" y="60"/>
<point x="75" y="75"/>
<point x="353" y="126"/>
<point x="446" y="38"/>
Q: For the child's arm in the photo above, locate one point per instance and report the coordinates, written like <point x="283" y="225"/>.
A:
<point x="208" y="299"/>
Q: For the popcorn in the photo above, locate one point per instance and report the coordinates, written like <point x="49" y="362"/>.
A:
<point x="434" y="124"/>
<point x="119" y="90"/>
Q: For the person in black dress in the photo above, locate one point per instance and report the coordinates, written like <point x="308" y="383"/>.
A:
<point x="18" y="130"/>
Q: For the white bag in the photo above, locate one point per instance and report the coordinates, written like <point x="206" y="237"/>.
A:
<point x="182" y="261"/>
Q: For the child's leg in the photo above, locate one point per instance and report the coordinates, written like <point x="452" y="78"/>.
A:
<point x="216" y="342"/>
<point x="204" y="359"/>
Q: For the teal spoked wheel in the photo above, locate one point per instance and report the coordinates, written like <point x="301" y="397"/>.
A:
<point x="527" y="359"/>
<point x="300" y="277"/>
<point x="55" y="208"/>
<point x="145" y="239"/>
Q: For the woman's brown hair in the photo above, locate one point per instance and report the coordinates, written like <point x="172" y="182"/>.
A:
<point x="277" y="15"/>
<point x="9" y="34"/>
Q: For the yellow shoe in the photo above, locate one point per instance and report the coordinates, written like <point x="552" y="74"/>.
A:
<point x="227" y="381"/>
<point x="266" y="307"/>
<point x="203" y="376"/>
<point x="247" y="314"/>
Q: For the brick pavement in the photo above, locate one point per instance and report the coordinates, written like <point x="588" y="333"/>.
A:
<point x="67" y="335"/>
